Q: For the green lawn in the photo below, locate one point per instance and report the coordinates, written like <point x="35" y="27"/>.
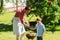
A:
<point x="6" y="17"/>
<point x="47" y="36"/>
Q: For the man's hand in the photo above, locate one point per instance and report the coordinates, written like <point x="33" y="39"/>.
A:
<point x="27" y="24"/>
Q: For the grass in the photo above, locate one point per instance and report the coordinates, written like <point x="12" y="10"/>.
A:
<point x="6" y="17"/>
<point x="47" y="36"/>
<point x="51" y="36"/>
<point x="6" y="36"/>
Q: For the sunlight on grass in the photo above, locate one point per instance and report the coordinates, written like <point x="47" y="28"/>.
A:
<point x="7" y="36"/>
<point x="52" y="36"/>
<point x="6" y="18"/>
<point x="47" y="36"/>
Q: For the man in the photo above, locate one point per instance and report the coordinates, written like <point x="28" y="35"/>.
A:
<point x="19" y="22"/>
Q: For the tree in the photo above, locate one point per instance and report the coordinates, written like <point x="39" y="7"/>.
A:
<point x="46" y="10"/>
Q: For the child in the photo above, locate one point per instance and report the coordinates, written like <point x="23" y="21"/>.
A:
<point x="40" y="29"/>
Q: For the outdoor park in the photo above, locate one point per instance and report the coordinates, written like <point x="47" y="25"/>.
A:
<point x="48" y="10"/>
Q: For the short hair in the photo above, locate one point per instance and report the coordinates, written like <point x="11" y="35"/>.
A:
<point x="27" y="8"/>
<point x="39" y="19"/>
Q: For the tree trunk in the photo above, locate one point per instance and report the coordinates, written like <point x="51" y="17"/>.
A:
<point x="1" y="7"/>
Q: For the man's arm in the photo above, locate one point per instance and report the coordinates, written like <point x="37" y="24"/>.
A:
<point x="25" y="21"/>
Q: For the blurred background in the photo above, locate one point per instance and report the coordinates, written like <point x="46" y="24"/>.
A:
<point x="48" y="10"/>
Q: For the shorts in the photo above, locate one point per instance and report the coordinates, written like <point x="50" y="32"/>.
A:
<point x="18" y="27"/>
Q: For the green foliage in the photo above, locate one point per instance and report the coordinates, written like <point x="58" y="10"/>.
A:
<point x="46" y="10"/>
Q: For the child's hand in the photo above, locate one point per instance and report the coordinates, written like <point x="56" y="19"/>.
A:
<point x="31" y="28"/>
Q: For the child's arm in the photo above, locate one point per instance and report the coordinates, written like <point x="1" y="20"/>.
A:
<point x="32" y="28"/>
<point x="43" y="30"/>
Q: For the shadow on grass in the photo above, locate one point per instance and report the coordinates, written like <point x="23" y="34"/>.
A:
<point x="5" y="27"/>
